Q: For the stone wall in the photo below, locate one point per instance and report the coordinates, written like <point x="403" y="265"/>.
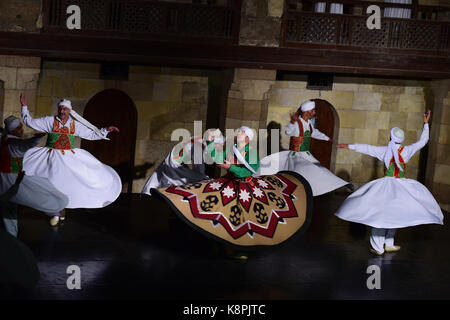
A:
<point x="248" y="98"/>
<point x="261" y="23"/>
<point x="18" y="74"/>
<point x="20" y="15"/>
<point x="367" y="110"/>
<point x="165" y="99"/>
<point x="438" y="168"/>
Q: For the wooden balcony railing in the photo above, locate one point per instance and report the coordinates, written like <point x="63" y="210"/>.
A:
<point x="308" y="28"/>
<point x="147" y="18"/>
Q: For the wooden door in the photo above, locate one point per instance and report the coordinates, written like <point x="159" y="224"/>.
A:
<point x="325" y="122"/>
<point x="114" y="108"/>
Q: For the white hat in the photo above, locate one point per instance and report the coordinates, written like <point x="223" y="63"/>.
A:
<point x="248" y="132"/>
<point x="307" y="105"/>
<point x="11" y="123"/>
<point x="397" y="136"/>
<point x="65" y="103"/>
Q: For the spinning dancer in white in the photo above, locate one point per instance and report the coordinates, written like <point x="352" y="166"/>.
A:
<point x="34" y="192"/>
<point x="393" y="201"/>
<point x="87" y="182"/>
<point x="299" y="158"/>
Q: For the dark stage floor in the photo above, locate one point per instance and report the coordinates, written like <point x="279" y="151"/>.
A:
<point x="137" y="249"/>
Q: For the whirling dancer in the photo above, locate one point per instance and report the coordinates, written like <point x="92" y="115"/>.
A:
<point x="238" y="208"/>
<point x="34" y="192"/>
<point x="174" y="170"/>
<point x="393" y="201"/>
<point x="299" y="159"/>
<point x="87" y="182"/>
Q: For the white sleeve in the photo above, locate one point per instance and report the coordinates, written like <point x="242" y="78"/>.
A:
<point x="292" y="130"/>
<point x="410" y="150"/>
<point x="44" y="124"/>
<point x="18" y="147"/>
<point x="316" y="134"/>
<point x="84" y="132"/>
<point x="373" y="151"/>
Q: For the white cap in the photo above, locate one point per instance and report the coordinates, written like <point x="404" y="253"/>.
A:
<point x="397" y="135"/>
<point x="65" y="103"/>
<point x="11" y="123"/>
<point x="307" y="105"/>
<point x="248" y="132"/>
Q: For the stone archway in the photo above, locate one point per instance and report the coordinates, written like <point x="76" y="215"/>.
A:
<point x="327" y="121"/>
<point x="114" y="107"/>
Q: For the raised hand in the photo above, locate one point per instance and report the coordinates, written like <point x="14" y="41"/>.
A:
<point x="226" y="165"/>
<point x="112" y="128"/>
<point x="342" y="146"/>
<point x="426" y="116"/>
<point x="294" y="116"/>
<point x="23" y="100"/>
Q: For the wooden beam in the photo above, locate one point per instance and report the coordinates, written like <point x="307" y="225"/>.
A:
<point x="141" y="51"/>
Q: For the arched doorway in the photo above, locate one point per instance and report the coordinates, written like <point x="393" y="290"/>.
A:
<point x="327" y="121"/>
<point x="113" y="107"/>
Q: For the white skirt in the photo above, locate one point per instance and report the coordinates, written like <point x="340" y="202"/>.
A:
<point x="320" y="178"/>
<point x="34" y="192"/>
<point x="391" y="203"/>
<point x="87" y="182"/>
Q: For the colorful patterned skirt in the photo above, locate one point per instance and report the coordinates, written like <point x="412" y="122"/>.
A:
<point x="256" y="211"/>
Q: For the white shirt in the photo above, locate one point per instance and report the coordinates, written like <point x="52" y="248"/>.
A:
<point x="45" y="124"/>
<point x="407" y="152"/>
<point x="293" y="130"/>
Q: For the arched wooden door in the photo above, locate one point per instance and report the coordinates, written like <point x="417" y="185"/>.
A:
<point x="325" y="122"/>
<point x="114" y="108"/>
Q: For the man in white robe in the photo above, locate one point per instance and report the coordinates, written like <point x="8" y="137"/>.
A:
<point x="86" y="181"/>
<point x="393" y="201"/>
<point x="299" y="159"/>
<point x="35" y="192"/>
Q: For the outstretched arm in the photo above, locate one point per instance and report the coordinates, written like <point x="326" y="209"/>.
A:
<point x="316" y="134"/>
<point x="85" y="133"/>
<point x="373" y="151"/>
<point x="409" y="151"/>
<point x="40" y="124"/>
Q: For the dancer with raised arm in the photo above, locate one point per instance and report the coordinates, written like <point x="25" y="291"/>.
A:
<point x="87" y="182"/>
<point x="299" y="158"/>
<point x="393" y="201"/>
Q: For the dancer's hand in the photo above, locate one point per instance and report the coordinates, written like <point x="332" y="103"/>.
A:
<point x="331" y="140"/>
<point x="112" y="128"/>
<point x="342" y="146"/>
<point x="210" y="135"/>
<point x="294" y="116"/>
<point x="23" y="99"/>
<point x="20" y="177"/>
<point x="426" y="116"/>
<point x="225" y="165"/>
